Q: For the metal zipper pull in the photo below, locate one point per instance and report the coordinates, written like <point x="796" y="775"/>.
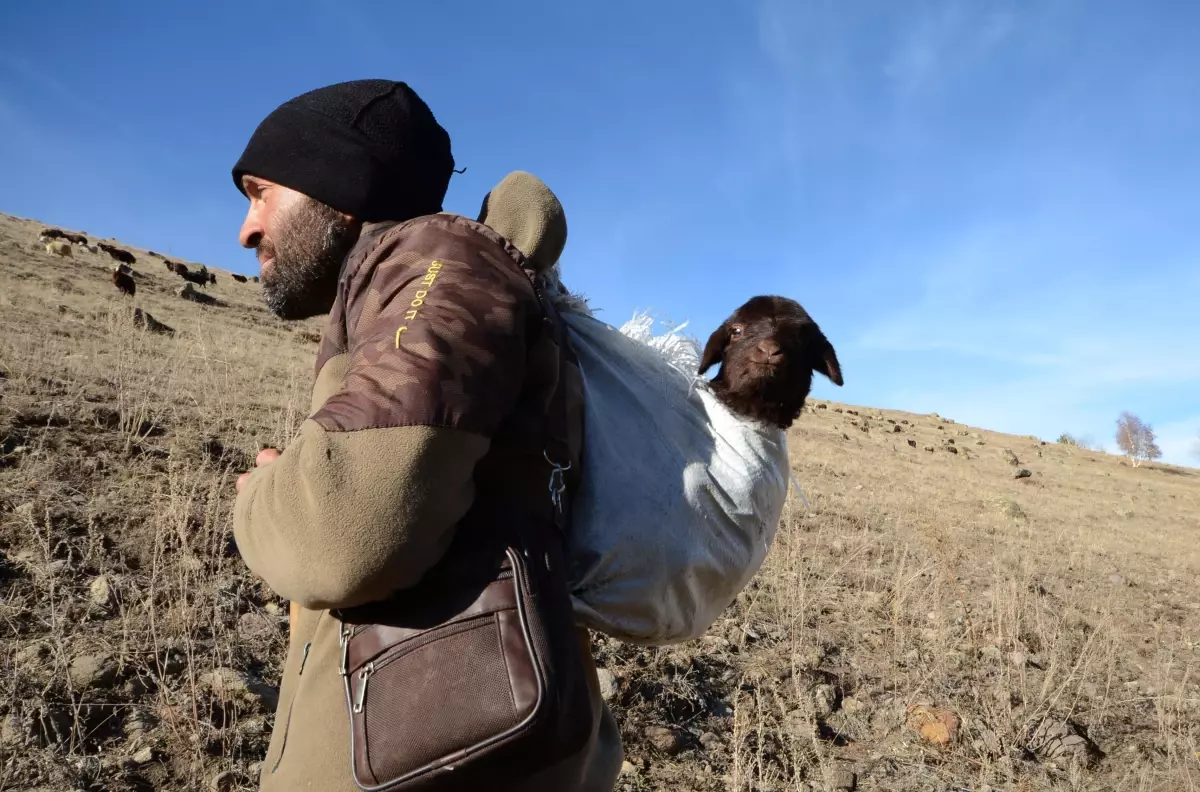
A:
<point x="363" y="676"/>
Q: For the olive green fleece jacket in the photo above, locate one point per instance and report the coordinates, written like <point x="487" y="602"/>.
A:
<point x="422" y="361"/>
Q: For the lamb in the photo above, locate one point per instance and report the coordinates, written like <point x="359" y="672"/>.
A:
<point x="768" y="349"/>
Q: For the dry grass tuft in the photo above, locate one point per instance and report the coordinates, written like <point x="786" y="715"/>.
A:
<point x="932" y="623"/>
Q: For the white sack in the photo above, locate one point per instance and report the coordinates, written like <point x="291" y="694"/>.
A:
<point x="679" y="500"/>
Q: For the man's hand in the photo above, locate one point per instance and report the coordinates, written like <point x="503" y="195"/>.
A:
<point x="265" y="457"/>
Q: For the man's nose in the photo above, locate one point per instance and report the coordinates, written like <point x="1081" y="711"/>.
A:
<point x="251" y="231"/>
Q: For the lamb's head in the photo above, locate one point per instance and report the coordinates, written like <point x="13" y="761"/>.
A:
<point x="768" y="350"/>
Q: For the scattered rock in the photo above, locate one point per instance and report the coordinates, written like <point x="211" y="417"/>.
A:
<point x="1011" y="457"/>
<point x="720" y="709"/>
<point x="608" y="684"/>
<point x="864" y="428"/>
<point x="234" y="685"/>
<point x="255" y="625"/>
<point x="952" y="449"/>
<point x="840" y="780"/>
<point x="825" y="700"/>
<point x="936" y="726"/>
<point x="101" y="593"/>
<point x="12" y="734"/>
<point x="930" y="449"/>
<point x="144" y="756"/>
<point x="663" y="739"/>
<point x="912" y="443"/>
<point x="628" y="768"/>
<point x="710" y="741"/>
<point x="852" y="706"/>
<point x="173" y="662"/>
<point x="1021" y="473"/>
<point x="32" y="655"/>
<point x="950" y="441"/>
<point x="822" y="407"/>
<point x="93" y="671"/>
<point x="222" y="782"/>
<point x="1061" y="741"/>
<point x="845" y="436"/>
<point x="273" y="609"/>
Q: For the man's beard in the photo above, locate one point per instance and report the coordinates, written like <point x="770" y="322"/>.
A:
<point x="308" y="248"/>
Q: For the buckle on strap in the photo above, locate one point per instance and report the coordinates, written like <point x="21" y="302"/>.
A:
<point x="558" y="483"/>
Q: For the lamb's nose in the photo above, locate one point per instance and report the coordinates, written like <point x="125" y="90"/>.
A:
<point x="769" y="349"/>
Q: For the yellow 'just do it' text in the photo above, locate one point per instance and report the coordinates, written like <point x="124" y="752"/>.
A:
<point x="418" y="299"/>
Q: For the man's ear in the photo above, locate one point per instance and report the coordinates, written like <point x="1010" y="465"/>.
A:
<point x="714" y="350"/>
<point x="824" y="359"/>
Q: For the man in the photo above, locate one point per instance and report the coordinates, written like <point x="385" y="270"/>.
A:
<point x="421" y="371"/>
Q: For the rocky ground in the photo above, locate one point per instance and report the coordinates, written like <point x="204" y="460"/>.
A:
<point x="953" y="610"/>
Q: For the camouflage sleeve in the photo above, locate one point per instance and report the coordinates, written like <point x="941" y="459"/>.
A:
<point x="366" y="498"/>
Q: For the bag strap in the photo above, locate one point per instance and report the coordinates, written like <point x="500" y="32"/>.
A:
<point x="559" y="428"/>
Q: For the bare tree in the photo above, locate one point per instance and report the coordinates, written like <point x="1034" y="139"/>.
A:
<point x="1135" y="439"/>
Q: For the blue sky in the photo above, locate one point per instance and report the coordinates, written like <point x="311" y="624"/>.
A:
<point x="989" y="207"/>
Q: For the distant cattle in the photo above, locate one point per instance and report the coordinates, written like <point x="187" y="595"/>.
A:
<point x="59" y="247"/>
<point x="124" y="282"/>
<point x="212" y="279"/>
<point x="117" y="254"/>
<point x="58" y="233"/>
<point x="199" y="278"/>
<point x="238" y="278"/>
<point x="170" y="265"/>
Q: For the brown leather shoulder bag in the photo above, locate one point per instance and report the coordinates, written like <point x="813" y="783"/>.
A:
<point x="476" y="675"/>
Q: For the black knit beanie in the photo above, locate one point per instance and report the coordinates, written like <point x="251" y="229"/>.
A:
<point x="369" y="148"/>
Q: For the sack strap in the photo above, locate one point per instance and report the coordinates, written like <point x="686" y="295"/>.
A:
<point x="557" y="436"/>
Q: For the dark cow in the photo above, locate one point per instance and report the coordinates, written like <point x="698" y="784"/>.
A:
<point x="169" y="265"/>
<point x="58" y="233"/>
<point x="117" y="254"/>
<point x="198" y="278"/>
<point x="238" y="278"/>
<point x="124" y="282"/>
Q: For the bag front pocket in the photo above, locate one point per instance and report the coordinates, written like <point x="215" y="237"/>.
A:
<point x="436" y="696"/>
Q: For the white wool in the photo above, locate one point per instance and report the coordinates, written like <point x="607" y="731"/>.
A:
<point x="680" y="498"/>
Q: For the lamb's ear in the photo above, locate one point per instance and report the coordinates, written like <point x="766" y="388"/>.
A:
<point x="824" y="359"/>
<point x="714" y="350"/>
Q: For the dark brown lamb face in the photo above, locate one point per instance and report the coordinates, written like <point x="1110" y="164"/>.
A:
<point x="768" y="350"/>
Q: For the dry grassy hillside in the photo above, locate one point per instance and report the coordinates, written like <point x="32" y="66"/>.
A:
<point x="929" y="622"/>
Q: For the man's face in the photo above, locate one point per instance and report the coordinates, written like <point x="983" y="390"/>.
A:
<point x="300" y="245"/>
